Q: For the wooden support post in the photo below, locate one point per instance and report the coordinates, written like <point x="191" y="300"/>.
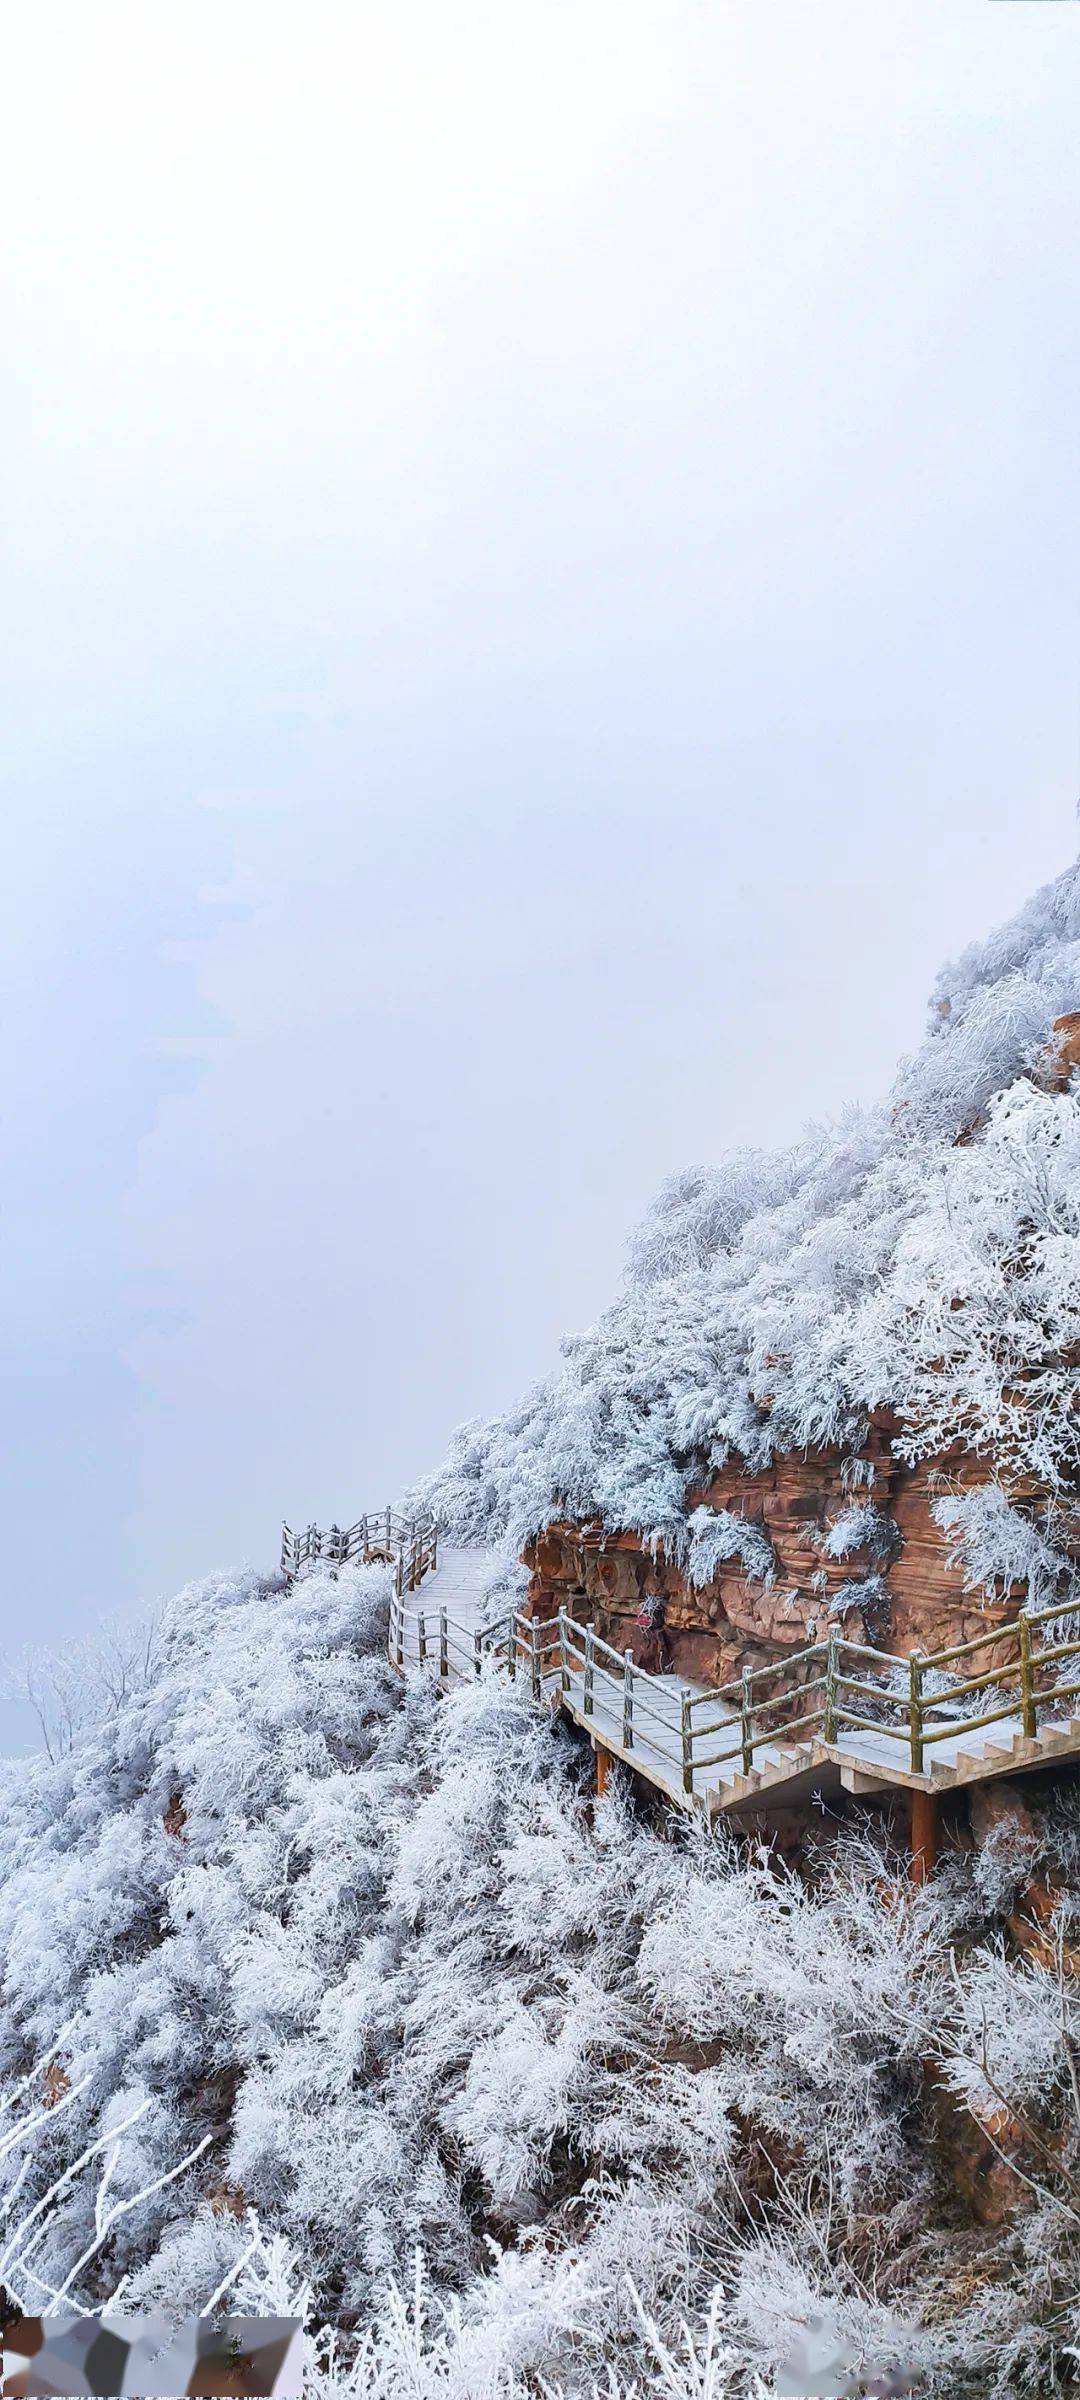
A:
<point x="1030" y="1716"/>
<point x="747" y="1715"/>
<point x="564" y="1659"/>
<point x="628" y="1700"/>
<point x="603" y="1763"/>
<point x="478" y="1654"/>
<point x="590" y="1670"/>
<point x="421" y="1637"/>
<point x="686" y="1740"/>
<point x="832" y="1673"/>
<point x="923" y="1835"/>
<point x="400" y="1632"/>
<point x="444" y="1649"/>
<point x="915" y="1710"/>
<point x="534" y="1657"/>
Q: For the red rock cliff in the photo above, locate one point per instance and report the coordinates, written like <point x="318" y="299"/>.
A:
<point x="916" y="1599"/>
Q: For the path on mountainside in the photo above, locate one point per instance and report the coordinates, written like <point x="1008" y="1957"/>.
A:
<point x="643" y="1719"/>
<point x="711" y="1749"/>
<point x="457" y="1586"/>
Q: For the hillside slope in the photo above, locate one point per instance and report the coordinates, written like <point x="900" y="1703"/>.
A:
<point x="283" y="1934"/>
<point x="923" y="1256"/>
<point x="383" y="1954"/>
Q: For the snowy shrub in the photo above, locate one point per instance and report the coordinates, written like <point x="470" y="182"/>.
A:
<point x="861" y="1526"/>
<point x="1005" y="2038"/>
<point x="998" y="1546"/>
<point x="866" y="1594"/>
<point x="717" y="1535"/>
<point x="286" y="1944"/>
<point x="72" y="1688"/>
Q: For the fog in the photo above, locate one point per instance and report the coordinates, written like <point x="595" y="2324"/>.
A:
<point x="540" y="602"/>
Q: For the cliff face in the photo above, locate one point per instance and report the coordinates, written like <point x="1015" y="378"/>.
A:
<point x="896" y="1589"/>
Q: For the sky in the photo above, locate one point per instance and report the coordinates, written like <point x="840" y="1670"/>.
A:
<point x="540" y="601"/>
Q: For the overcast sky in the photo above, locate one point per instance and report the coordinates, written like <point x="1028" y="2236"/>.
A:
<point x="540" y="600"/>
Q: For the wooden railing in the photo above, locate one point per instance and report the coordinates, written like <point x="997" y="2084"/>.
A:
<point x="896" y="1701"/>
<point x="409" y="1544"/>
<point x="822" y="1694"/>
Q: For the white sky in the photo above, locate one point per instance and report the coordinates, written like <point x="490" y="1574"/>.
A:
<point x="539" y="599"/>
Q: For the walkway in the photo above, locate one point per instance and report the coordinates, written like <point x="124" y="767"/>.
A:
<point x="835" y="1711"/>
<point x="784" y="1728"/>
<point x="453" y="1594"/>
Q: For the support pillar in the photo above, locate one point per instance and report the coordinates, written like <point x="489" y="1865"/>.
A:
<point x="603" y="1767"/>
<point x="923" y="1835"/>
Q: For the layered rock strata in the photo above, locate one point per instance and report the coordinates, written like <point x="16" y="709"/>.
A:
<point x="898" y="1591"/>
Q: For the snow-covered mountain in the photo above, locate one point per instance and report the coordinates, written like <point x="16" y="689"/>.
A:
<point x="304" y="1969"/>
<point x="922" y="1256"/>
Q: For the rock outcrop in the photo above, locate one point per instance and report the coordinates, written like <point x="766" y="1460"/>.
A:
<point x="897" y="1589"/>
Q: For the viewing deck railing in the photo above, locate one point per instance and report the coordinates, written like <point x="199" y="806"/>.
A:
<point x="409" y="1544"/>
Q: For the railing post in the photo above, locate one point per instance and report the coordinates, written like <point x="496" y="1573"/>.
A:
<point x="1030" y="1714"/>
<point x="478" y="1654"/>
<point x="511" y="1645"/>
<point x="686" y="1744"/>
<point x="915" y="1710"/>
<point x="421" y="1637"/>
<point x="590" y="1656"/>
<point x="400" y="1632"/>
<point x="628" y="1700"/>
<point x="564" y="1662"/>
<point x="746" y="1715"/>
<point x="444" y="1653"/>
<point x="388" y="1529"/>
<point x="832" y="1669"/>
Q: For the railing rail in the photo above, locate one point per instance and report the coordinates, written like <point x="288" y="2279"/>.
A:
<point x="409" y="1544"/>
<point x="753" y="1723"/>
